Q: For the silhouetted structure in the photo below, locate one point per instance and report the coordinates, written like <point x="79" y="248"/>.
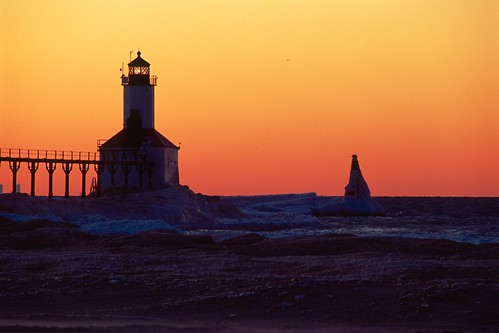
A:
<point x="137" y="156"/>
<point x="67" y="160"/>
<point x="139" y="140"/>
<point x="357" y="187"/>
<point x="357" y="199"/>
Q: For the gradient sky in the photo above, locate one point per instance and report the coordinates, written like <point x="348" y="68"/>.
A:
<point x="267" y="96"/>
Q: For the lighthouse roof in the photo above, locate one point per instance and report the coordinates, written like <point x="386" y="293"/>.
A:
<point x="129" y="138"/>
<point x="139" y="62"/>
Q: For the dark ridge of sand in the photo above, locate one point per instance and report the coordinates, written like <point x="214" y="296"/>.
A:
<point x="55" y="278"/>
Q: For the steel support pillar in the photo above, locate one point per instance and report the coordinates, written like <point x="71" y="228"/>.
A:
<point x="113" y="168"/>
<point x="99" y="169"/>
<point x="150" y="171"/>
<point x="51" y="166"/>
<point x="67" y="167"/>
<point x="14" y="166"/>
<point x="140" y="170"/>
<point x="126" y="171"/>
<point x="33" y="167"/>
<point x="84" y="169"/>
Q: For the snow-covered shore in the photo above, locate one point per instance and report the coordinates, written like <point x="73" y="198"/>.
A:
<point x="55" y="278"/>
<point x="472" y="220"/>
<point x="176" y="208"/>
<point x="175" y="261"/>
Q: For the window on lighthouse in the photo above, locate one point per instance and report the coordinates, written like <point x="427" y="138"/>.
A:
<point x="139" y="70"/>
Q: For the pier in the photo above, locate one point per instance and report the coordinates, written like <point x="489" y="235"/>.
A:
<point x="52" y="159"/>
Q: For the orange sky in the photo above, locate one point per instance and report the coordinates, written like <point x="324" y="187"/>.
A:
<point x="267" y="96"/>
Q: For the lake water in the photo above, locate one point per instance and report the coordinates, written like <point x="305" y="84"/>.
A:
<point x="472" y="220"/>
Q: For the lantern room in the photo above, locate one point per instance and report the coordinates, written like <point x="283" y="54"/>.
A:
<point x="138" y="71"/>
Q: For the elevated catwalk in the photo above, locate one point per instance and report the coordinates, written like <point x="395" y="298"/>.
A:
<point x="67" y="160"/>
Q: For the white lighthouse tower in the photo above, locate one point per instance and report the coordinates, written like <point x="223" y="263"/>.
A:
<point x="138" y="91"/>
<point x="151" y="160"/>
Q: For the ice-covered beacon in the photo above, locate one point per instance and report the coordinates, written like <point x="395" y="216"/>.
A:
<point x="357" y="199"/>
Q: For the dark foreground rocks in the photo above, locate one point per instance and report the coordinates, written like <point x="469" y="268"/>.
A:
<point x="54" y="278"/>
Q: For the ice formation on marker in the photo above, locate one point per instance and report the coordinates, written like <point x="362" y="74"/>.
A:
<point x="357" y="199"/>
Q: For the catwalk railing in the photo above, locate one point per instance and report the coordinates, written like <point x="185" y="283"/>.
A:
<point x="67" y="159"/>
<point x="25" y="155"/>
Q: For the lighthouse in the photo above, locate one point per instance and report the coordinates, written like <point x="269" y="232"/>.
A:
<point x="148" y="158"/>
<point x="138" y="91"/>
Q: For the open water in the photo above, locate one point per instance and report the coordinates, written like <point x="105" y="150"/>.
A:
<point x="471" y="220"/>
